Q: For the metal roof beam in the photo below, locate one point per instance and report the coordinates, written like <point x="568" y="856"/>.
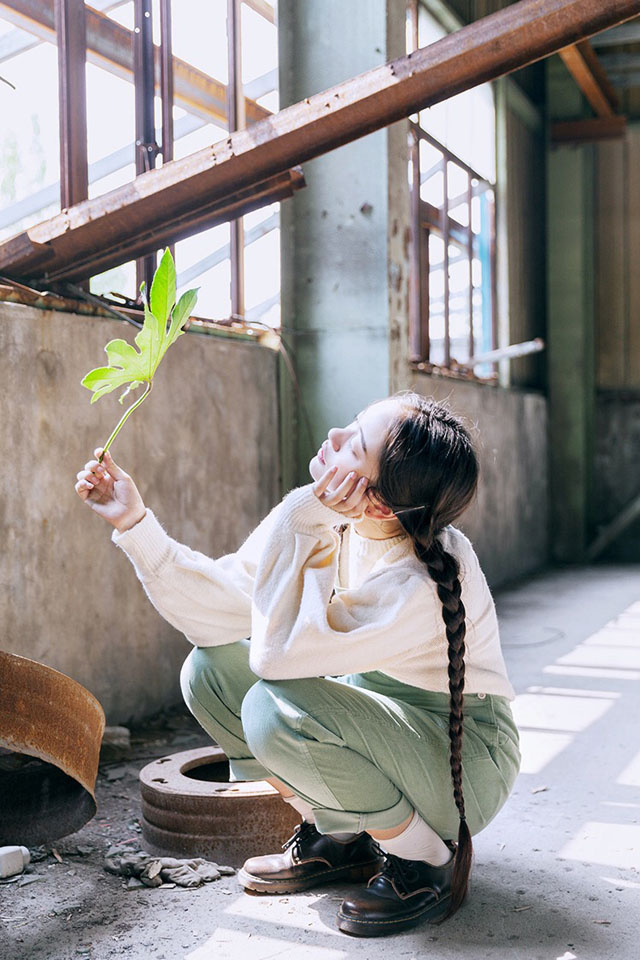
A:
<point x="138" y="213"/>
<point x="582" y="63"/>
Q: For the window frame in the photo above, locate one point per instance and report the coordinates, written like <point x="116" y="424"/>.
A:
<point x="427" y="219"/>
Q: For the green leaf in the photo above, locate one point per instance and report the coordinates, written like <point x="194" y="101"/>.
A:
<point x="181" y="313"/>
<point x="122" y="354"/>
<point x="130" y="367"/>
<point x="163" y="289"/>
<point x="103" y="380"/>
<point x="149" y="340"/>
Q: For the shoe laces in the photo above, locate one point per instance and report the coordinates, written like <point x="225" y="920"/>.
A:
<point x="397" y="869"/>
<point x="301" y="831"/>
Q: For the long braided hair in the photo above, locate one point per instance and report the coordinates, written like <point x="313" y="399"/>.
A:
<point x="428" y="475"/>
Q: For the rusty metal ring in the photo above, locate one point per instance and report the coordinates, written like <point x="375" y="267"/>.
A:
<point x="190" y="808"/>
<point x="46" y="715"/>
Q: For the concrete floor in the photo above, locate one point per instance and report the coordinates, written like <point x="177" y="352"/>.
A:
<point x="556" y="874"/>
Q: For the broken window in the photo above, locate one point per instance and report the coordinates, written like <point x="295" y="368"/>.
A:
<point x="452" y="175"/>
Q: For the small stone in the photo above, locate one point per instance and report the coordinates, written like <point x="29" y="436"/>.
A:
<point x="116" y="773"/>
<point x="116" y="744"/>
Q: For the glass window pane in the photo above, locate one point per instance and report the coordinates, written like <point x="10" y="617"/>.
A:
<point x="259" y="46"/>
<point x="203" y="260"/>
<point x="29" y="134"/>
<point x="432" y="190"/>
<point x="457" y="181"/>
<point x="199" y="30"/>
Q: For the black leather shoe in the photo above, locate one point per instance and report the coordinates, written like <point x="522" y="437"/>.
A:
<point x="309" y="859"/>
<point x="403" y="894"/>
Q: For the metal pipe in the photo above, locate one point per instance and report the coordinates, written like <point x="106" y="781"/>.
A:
<point x="507" y="353"/>
<point x="146" y="146"/>
<point x="236" y="121"/>
<point x="166" y="87"/>
<point x="71" y="39"/>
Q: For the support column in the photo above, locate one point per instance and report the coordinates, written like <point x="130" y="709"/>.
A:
<point x="571" y="325"/>
<point x="342" y="276"/>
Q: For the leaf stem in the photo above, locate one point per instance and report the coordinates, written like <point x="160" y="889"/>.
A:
<point x="124" y="417"/>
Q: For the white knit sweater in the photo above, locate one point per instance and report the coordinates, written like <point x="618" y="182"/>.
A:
<point x="312" y="608"/>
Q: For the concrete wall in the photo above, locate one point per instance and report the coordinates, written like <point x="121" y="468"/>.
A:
<point x="617" y="469"/>
<point x="616" y="478"/>
<point x="204" y="452"/>
<point x="507" y="523"/>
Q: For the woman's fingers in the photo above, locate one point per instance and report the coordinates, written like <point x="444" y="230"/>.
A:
<point x="110" y="465"/>
<point x="347" y="493"/>
<point x="322" y="484"/>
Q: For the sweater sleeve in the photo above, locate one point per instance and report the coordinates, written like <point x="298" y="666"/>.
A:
<point x="208" y="600"/>
<point x="298" y="629"/>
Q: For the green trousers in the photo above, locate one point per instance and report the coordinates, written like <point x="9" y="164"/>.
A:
<point x="364" y="750"/>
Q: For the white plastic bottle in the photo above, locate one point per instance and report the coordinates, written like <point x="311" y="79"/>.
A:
<point x="13" y="860"/>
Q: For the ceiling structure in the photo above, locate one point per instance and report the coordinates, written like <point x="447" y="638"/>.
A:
<point x="160" y="204"/>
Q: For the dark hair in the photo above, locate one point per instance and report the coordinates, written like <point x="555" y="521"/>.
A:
<point x="428" y="475"/>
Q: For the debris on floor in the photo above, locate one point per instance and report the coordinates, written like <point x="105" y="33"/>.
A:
<point x="143" y="869"/>
<point x="13" y="860"/>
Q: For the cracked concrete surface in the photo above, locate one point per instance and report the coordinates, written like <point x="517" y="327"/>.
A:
<point x="556" y="875"/>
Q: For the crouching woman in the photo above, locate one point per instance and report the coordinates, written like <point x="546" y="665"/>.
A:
<point x="349" y="654"/>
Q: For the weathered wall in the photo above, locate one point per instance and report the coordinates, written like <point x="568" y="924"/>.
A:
<point x="617" y="231"/>
<point x="617" y="469"/>
<point x="507" y="523"/>
<point x="616" y="480"/>
<point x="204" y="452"/>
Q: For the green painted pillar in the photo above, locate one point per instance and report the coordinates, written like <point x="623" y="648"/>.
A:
<point x="571" y="325"/>
<point x="336" y="276"/>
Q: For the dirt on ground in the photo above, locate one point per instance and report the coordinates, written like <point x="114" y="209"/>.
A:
<point x="65" y="906"/>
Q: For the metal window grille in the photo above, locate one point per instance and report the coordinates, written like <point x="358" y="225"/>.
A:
<point x="76" y="27"/>
<point x="453" y="267"/>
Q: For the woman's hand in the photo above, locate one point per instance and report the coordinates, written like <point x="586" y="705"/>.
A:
<point x="348" y="498"/>
<point x="110" y="492"/>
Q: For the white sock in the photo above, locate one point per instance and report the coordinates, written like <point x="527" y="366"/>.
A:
<point x="418" y="842"/>
<point x="304" y="809"/>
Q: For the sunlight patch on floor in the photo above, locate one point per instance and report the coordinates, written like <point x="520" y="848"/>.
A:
<point x="630" y="776"/>
<point x="233" y="944"/>
<point x="610" y="844"/>
<point x="540" y="747"/>
<point x="548" y="718"/>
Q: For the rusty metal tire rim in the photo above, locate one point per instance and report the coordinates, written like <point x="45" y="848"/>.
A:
<point x="45" y="715"/>
<point x="187" y="815"/>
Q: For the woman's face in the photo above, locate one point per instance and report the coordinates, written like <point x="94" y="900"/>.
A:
<point x="356" y="447"/>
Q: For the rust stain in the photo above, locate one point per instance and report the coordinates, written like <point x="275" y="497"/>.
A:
<point x="46" y="715"/>
<point x="190" y="808"/>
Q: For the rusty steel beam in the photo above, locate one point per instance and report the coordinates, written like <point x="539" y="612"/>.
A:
<point x="71" y="38"/>
<point x="582" y="63"/>
<point x="588" y="130"/>
<point x="110" y="45"/>
<point x="512" y="38"/>
<point x="90" y="260"/>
